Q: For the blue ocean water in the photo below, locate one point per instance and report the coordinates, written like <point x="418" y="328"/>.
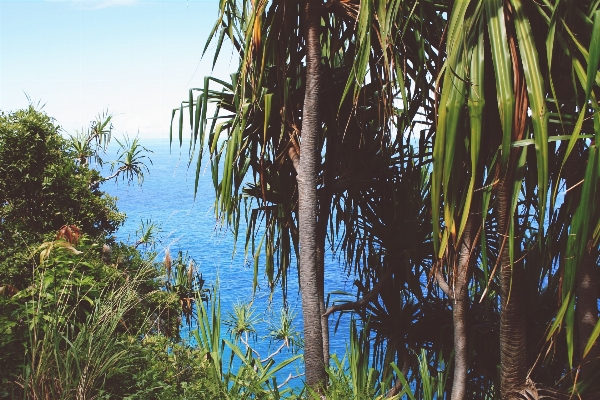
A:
<point x="166" y="197"/>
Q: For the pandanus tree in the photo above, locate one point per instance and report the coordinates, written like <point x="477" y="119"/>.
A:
<point x="271" y="76"/>
<point x="272" y="147"/>
<point x="501" y="106"/>
<point x="297" y="135"/>
<point x="92" y="144"/>
<point x="494" y="121"/>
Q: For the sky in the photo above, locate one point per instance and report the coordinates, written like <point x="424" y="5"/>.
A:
<point x="135" y="58"/>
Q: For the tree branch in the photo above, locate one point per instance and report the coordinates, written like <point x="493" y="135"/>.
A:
<point x="295" y="157"/>
<point x="249" y="347"/>
<point x="95" y="184"/>
<point x="270" y="356"/>
<point x="366" y="298"/>
<point x="290" y="377"/>
<point x="443" y="284"/>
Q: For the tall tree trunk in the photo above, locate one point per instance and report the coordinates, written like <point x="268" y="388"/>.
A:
<point x="460" y="308"/>
<point x="307" y="204"/>
<point x="587" y="306"/>
<point x="322" y="307"/>
<point x="324" y="214"/>
<point x="513" y="355"/>
<point x="513" y="343"/>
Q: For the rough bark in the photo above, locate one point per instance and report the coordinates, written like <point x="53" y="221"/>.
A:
<point x="513" y="355"/>
<point x="587" y="306"/>
<point x="460" y="307"/>
<point x="322" y="307"/>
<point x="459" y="318"/>
<point x="307" y="205"/>
<point x="513" y="347"/>
<point x="324" y="214"/>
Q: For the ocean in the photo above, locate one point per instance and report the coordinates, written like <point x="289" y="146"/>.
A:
<point x="166" y="197"/>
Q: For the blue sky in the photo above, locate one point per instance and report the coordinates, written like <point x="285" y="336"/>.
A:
<point x="136" y="58"/>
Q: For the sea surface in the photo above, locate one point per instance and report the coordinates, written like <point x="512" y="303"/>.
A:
<point x="166" y="197"/>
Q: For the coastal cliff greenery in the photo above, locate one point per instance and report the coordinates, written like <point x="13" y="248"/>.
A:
<point x="446" y="151"/>
<point x="83" y="316"/>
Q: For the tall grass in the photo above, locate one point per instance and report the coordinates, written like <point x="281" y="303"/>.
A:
<point x="70" y="357"/>
<point x="80" y="347"/>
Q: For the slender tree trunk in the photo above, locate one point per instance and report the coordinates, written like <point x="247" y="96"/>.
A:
<point x="404" y="360"/>
<point x="459" y="318"/>
<point x="513" y="344"/>
<point x="587" y="306"/>
<point x="322" y="307"/>
<point x="460" y="308"/>
<point x="307" y="204"/>
<point x="324" y="214"/>
<point x="513" y="355"/>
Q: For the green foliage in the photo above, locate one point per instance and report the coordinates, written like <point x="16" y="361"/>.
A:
<point x="245" y="374"/>
<point x="42" y="188"/>
<point x="358" y="379"/>
<point x="241" y="320"/>
<point x="354" y="377"/>
<point x="284" y="331"/>
<point x="89" y="144"/>
<point x="131" y="161"/>
<point x="503" y="120"/>
<point x="94" y="318"/>
<point x="84" y="328"/>
<point x="147" y="234"/>
<point x="132" y="158"/>
<point x="185" y="285"/>
<point x="63" y="335"/>
<point x="533" y="238"/>
<point x="164" y="370"/>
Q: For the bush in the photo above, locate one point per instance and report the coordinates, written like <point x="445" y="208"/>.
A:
<point x="42" y="187"/>
<point x="76" y="299"/>
<point x="165" y="370"/>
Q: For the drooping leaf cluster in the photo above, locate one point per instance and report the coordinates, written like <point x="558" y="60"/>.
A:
<point x="440" y="118"/>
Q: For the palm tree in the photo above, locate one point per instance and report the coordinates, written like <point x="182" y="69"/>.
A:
<point x="276" y="158"/>
<point x="270" y="134"/>
<point x="131" y="156"/>
<point x="131" y="161"/>
<point x="516" y="178"/>
<point x="88" y="144"/>
<point x="307" y="202"/>
<point x="485" y="188"/>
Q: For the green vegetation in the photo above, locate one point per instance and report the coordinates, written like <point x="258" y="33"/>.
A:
<point x="42" y="188"/>
<point x="82" y="316"/>
<point x="70" y="294"/>
<point x="448" y="151"/>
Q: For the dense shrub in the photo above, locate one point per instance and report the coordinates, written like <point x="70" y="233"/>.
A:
<point x="164" y="370"/>
<point x="42" y="188"/>
<point x="60" y="271"/>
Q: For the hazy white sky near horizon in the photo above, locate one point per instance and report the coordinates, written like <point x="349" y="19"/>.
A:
<point x="136" y="58"/>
